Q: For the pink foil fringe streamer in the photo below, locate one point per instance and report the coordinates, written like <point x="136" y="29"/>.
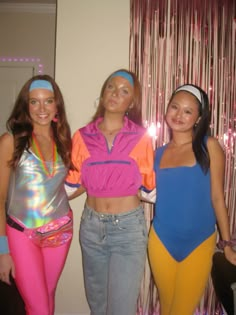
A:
<point x="174" y="42"/>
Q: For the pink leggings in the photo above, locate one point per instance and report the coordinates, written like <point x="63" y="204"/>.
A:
<point x="37" y="271"/>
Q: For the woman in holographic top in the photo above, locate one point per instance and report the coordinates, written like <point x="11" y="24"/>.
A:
<point x="35" y="216"/>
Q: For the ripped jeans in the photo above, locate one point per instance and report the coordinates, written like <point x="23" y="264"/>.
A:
<point x="114" y="255"/>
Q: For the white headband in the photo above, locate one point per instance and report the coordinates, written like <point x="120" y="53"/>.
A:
<point x="193" y="90"/>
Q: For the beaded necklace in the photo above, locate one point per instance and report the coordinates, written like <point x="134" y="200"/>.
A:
<point x="38" y="151"/>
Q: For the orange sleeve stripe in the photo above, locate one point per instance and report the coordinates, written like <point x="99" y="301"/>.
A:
<point x="143" y="154"/>
<point x="79" y="154"/>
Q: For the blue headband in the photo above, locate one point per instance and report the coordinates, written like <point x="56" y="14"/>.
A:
<point x="125" y="75"/>
<point x="41" y="84"/>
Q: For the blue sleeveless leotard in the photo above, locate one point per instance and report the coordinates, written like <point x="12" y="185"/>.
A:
<point x="184" y="215"/>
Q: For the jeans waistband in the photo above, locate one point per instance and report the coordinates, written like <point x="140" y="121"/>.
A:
<point x="110" y="216"/>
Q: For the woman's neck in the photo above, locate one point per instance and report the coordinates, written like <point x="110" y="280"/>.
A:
<point x="179" y="139"/>
<point x="112" y="123"/>
<point x="43" y="132"/>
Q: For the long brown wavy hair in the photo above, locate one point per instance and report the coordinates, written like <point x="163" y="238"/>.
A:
<point x="20" y="124"/>
<point x="134" y="113"/>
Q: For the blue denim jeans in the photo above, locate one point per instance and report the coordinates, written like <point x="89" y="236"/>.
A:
<point x="114" y="254"/>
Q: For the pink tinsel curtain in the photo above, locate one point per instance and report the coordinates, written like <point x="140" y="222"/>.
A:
<point x="180" y="41"/>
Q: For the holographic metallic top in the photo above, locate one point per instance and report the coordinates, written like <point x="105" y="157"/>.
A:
<point x="34" y="198"/>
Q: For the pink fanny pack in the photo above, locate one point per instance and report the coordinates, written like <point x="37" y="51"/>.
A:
<point x="52" y="234"/>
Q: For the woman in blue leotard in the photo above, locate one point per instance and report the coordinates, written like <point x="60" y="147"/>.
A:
<point x="189" y="179"/>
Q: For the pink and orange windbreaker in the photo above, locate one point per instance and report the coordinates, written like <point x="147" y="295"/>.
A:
<point x="116" y="172"/>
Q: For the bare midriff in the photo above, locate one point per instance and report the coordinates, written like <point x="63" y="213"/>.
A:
<point x="113" y="205"/>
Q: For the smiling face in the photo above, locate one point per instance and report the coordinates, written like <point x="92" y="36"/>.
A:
<point x="182" y="112"/>
<point x="42" y="106"/>
<point x="118" y="95"/>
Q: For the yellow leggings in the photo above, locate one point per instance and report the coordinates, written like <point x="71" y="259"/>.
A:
<point x="180" y="284"/>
